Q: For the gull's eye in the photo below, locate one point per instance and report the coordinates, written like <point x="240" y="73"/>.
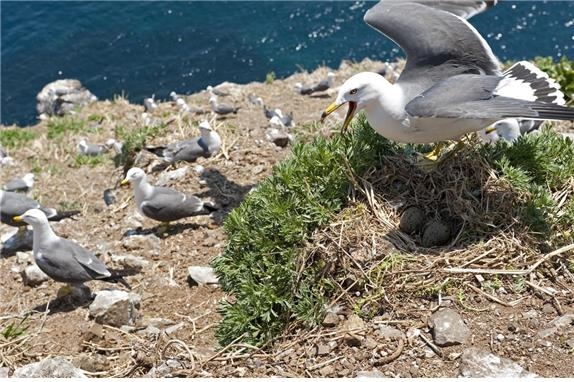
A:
<point x="354" y="91"/>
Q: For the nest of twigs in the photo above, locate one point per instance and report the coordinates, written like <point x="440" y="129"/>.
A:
<point x="376" y="265"/>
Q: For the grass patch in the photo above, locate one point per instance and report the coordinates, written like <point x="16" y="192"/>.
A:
<point x="134" y="141"/>
<point x="16" y="138"/>
<point x="88" y="160"/>
<point x="270" y="77"/>
<point x="62" y="125"/>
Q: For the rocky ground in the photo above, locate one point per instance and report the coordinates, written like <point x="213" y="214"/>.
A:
<point x="172" y="330"/>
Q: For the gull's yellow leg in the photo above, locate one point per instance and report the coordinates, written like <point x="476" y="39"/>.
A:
<point x="64" y="291"/>
<point x="163" y="228"/>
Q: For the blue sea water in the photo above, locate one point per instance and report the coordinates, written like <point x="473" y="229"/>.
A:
<point x="139" y="48"/>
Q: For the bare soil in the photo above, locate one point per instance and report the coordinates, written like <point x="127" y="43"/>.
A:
<point x="55" y="327"/>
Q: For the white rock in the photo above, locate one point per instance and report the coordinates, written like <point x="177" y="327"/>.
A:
<point x="34" y="276"/>
<point x="62" y="97"/>
<point x="115" y="308"/>
<point x="478" y="363"/>
<point x="57" y="367"/>
<point x="202" y="275"/>
<point x="168" y="176"/>
<point x="24" y="258"/>
<point x="131" y="261"/>
<point x="148" y="243"/>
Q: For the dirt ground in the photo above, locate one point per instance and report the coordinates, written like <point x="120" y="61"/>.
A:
<point x="185" y="313"/>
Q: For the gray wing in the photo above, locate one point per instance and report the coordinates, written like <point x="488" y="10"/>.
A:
<point x="471" y="96"/>
<point x="188" y="150"/>
<point x="167" y="205"/>
<point x="438" y="44"/>
<point x="321" y="86"/>
<point x="13" y="204"/>
<point x="66" y="261"/>
<point x="224" y="109"/>
<point x="16" y="185"/>
<point x="462" y="8"/>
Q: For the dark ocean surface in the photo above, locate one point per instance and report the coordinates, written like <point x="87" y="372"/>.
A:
<point x="141" y="48"/>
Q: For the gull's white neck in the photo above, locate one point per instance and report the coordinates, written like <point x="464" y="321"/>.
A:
<point x="42" y="235"/>
<point x="385" y="109"/>
<point x="142" y="191"/>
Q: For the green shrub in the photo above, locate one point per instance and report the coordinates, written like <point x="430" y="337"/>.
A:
<point x="133" y="141"/>
<point x="268" y="231"/>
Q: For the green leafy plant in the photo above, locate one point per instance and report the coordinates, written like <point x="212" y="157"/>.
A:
<point x="88" y="160"/>
<point x="14" y="330"/>
<point x="133" y="141"/>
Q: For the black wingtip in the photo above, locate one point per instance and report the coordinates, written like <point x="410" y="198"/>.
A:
<point x="63" y="215"/>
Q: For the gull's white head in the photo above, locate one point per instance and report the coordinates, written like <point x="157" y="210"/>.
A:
<point x="259" y="101"/>
<point x="213" y="100"/>
<point x="134" y="175"/>
<point x="180" y="102"/>
<point x="34" y="217"/>
<point x="506" y="129"/>
<point x="209" y="88"/>
<point x="28" y="179"/>
<point x="358" y="91"/>
<point x="204" y="126"/>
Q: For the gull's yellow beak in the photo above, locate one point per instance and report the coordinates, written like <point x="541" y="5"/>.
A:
<point x="124" y="182"/>
<point x="348" y="118"/>
<point x="490" y="129"/>
<point x="17" y="219"/>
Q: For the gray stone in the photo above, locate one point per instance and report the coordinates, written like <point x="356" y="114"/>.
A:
<point x="147" y="243"/>
<point x="57" y="367"/>
<point x="387" y="331"/>
<point x="174" y="328"/>
<point x="278" y="137"/>
<point x="4" y="372"/>
<point x="370" y="374"/>
<point x="131" y="261"/>
<point x="165" y="369"/>
<point x="115" y="308"/>
<point x="62" y="97"/>
<point x="202" y="275"/>
<point x="570" y="342"/>
<point x="556" y="324"/>
<point x="331" y="320"/>
<point x="448" y="328"/>
<point x="327" y="371"/>
<point x="323" y="349"/>
<point x="34" y="276"/>
<point x="478" y="363"/>
<point x="91" y="362"/>
<point x="354" y="328"/>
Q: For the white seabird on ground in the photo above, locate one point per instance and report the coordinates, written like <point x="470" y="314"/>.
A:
<point x="22" y="184"/>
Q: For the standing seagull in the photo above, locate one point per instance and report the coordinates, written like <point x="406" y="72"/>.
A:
<point x="162" y="203"/>
<point x="320" y="86"/>
<point x="222" y="109"/>
<point x="451" y="84"/>
<point x="207" y="144"/>
<point x="62" y="259"/>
